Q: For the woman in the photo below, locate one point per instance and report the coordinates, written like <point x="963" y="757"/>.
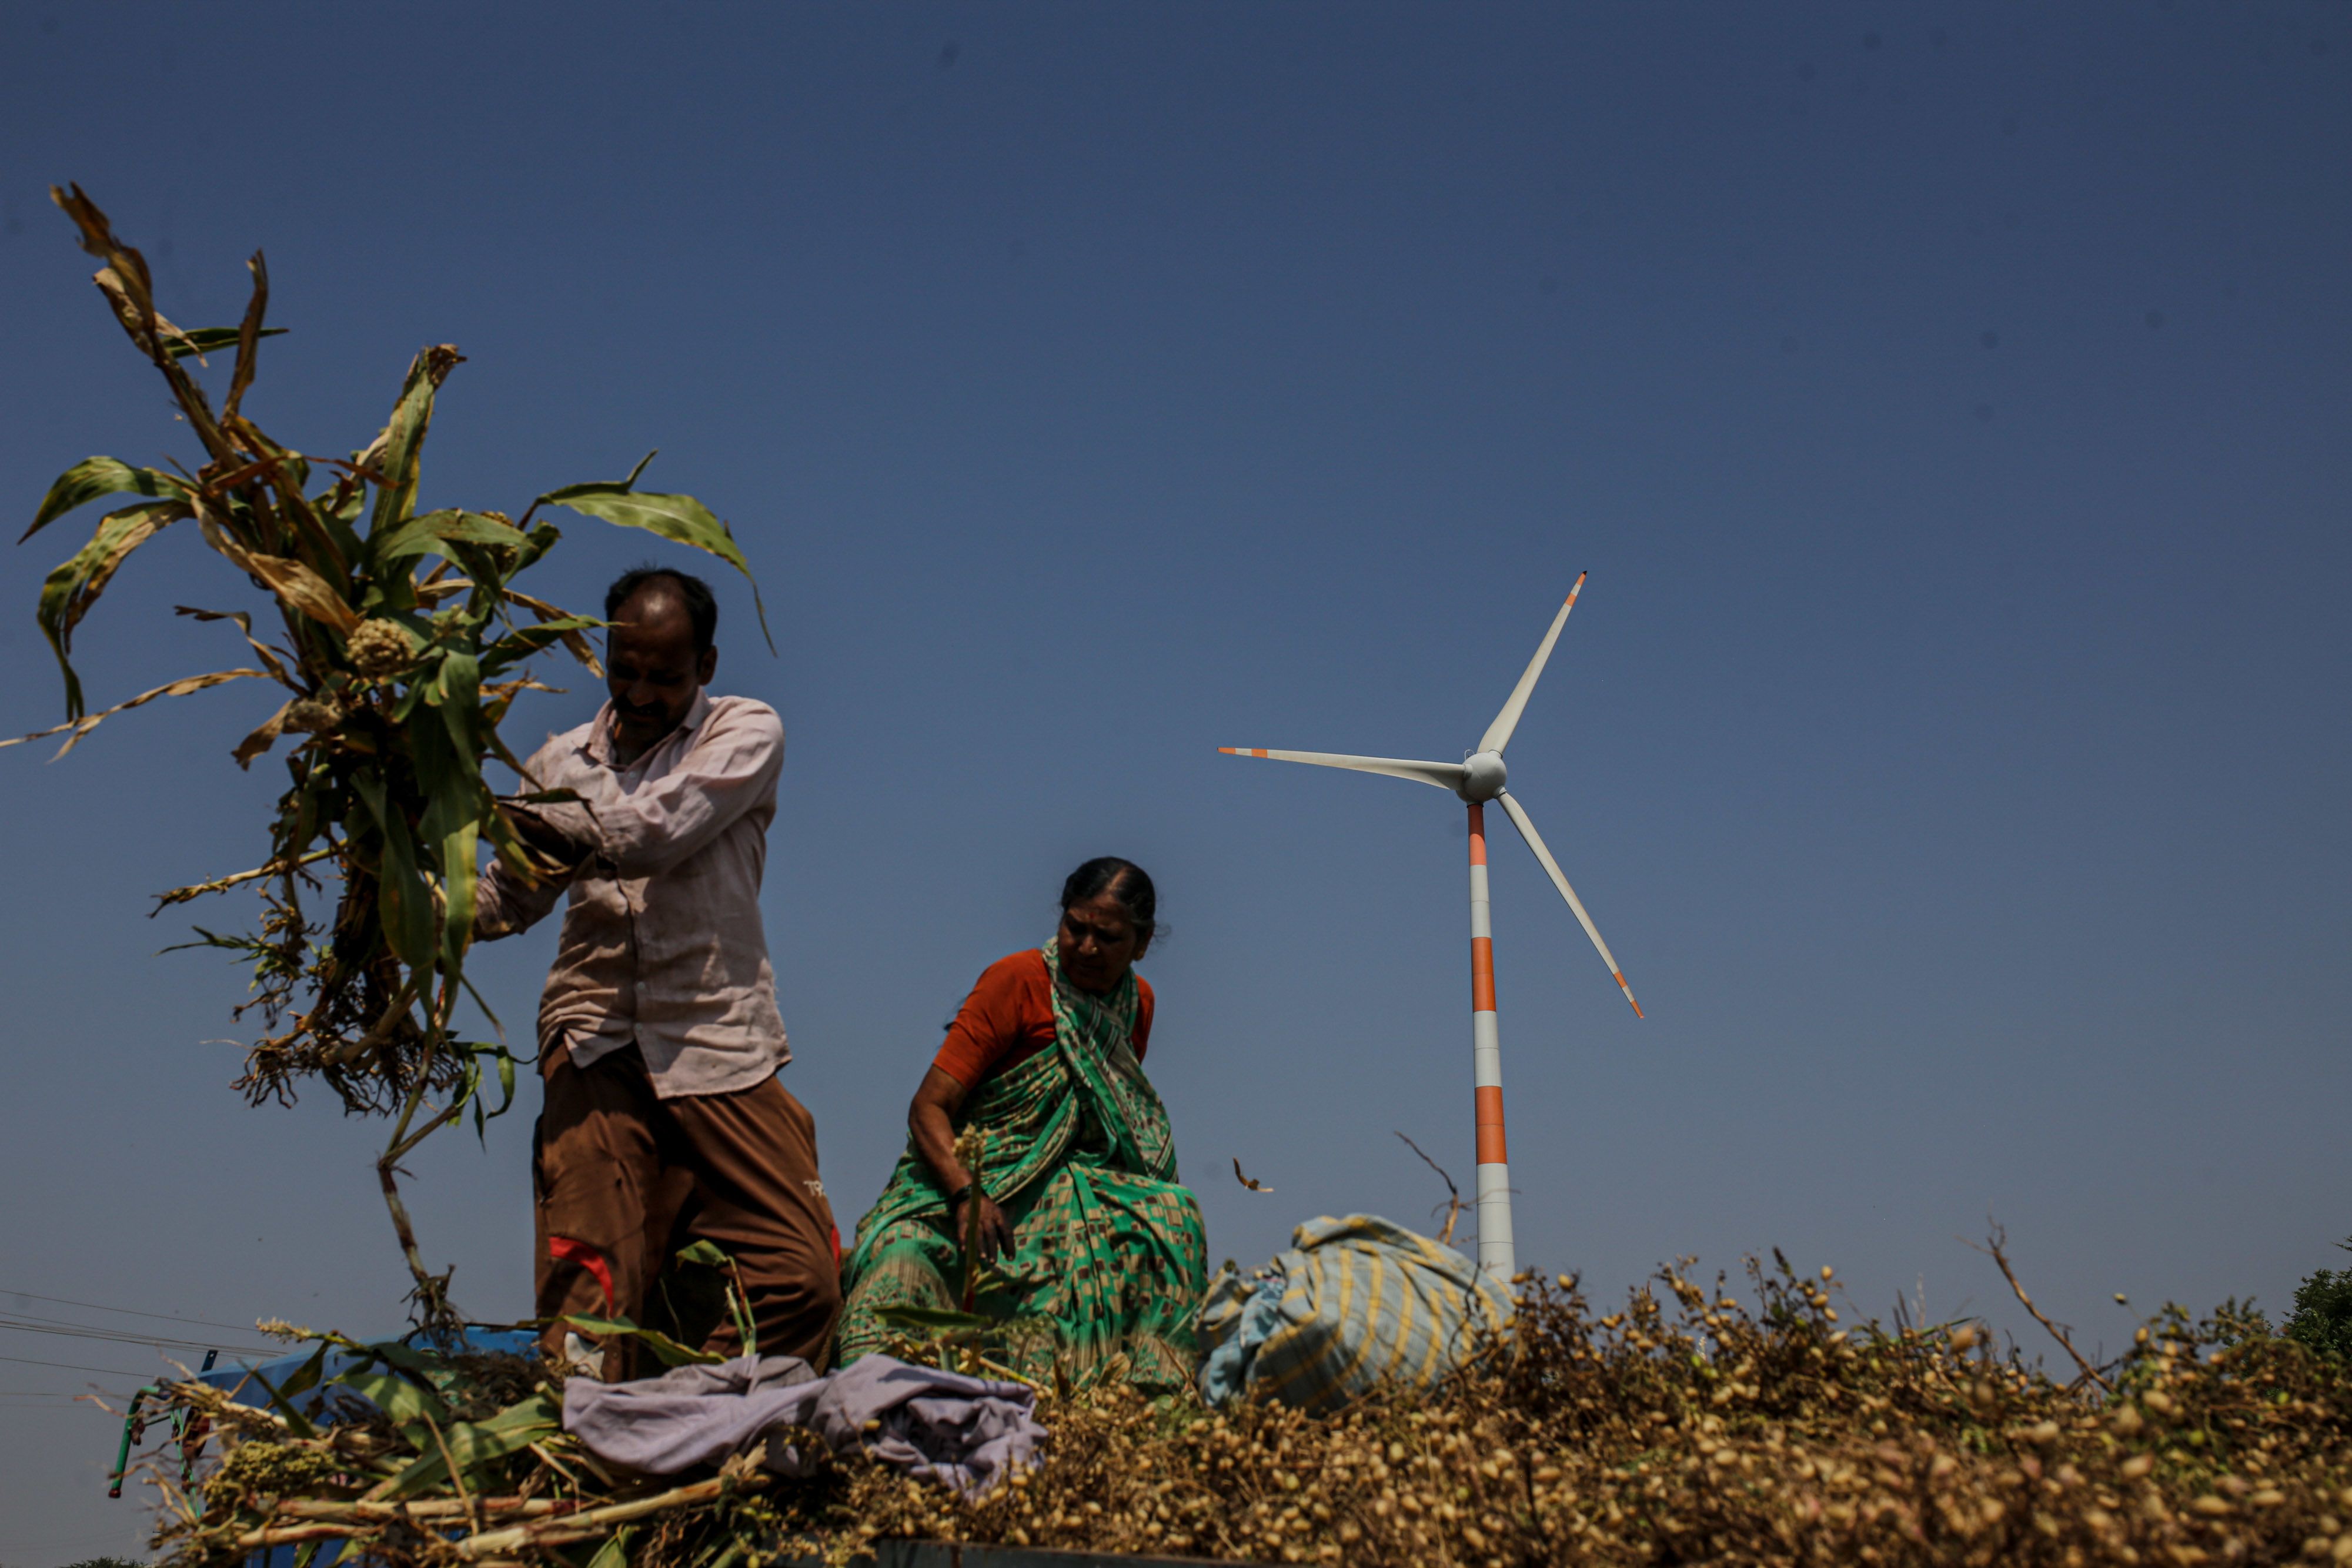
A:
<point x="1091" y="1249"/>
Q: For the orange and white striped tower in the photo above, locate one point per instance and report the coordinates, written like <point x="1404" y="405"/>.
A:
<point x="1477" y="778"/>
<point x="1495" y="1254"/>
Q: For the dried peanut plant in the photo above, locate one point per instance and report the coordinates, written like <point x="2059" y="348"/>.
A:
<point x="401" y="640"/>
<point x="1700" y="1423"/>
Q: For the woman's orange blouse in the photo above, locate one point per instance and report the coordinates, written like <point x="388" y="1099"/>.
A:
<point x="1009" y="1018"/>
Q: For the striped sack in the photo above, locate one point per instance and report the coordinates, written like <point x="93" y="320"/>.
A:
<point x="1355" y="1302"/>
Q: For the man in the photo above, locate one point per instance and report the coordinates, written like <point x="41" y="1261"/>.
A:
<point x="659" y="1034"/>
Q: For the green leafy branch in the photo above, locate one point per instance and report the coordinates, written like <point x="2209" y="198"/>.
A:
<point x="401" y="645"/>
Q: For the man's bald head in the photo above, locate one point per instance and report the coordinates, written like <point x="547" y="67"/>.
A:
<point x="651" y="592"/>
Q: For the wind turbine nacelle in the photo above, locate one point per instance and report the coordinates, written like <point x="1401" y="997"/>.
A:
<point x="1482" y="777"/>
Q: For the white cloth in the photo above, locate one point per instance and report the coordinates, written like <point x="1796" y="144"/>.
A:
<point x="968" y="1433"/>
<point x="662" y="941"/>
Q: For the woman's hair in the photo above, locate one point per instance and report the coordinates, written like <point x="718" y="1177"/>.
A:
<point x="1125" y="881"/>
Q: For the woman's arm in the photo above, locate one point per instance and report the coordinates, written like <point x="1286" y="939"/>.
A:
<point x="931" y="1120"/>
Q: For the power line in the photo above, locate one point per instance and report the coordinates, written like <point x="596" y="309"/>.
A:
<point x="126" y="1312"/>
<point x="70" y="1323"/>
<point x="70" y="1366"/>
<point x="158" y="1340"/>
<point x="77" y="1331"/>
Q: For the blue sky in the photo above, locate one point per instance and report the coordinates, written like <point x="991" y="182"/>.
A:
<point x="1949" y="402"/>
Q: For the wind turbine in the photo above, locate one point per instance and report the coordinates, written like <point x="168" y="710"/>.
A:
<point x="1477" y="779"/>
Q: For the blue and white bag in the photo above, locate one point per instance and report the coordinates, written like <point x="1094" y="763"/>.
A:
<point x="1355" y="1303"/>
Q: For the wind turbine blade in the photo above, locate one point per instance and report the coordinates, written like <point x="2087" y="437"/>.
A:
<point x="1445" y="775"/>
<point x="1534" y="842"/>
<point x="1498" y="734"/>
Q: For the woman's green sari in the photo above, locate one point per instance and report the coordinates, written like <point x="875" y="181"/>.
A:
<point x="1109" y="1255"/>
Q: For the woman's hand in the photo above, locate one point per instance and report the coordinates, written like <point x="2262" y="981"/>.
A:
<point x="931" y="1119"/>
<point x="995" y="1230"/>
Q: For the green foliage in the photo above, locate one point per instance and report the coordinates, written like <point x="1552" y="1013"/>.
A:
<point x="403" y="638"/>
<point x="2322" y="1319"/>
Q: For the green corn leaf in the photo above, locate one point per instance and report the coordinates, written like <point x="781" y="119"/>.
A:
<point x="73" y="588"/>
<point x="427" y="533"/>
<point x="457" y="693"/>
<point x="540" y="540"/>
<point x="403" y="1399"/>
<point x="306" y="1376"/>
<point x="458" y="877"/>
<point x="296" y="1422"/>
<point x="399" y="451"/>
<point x="525" y="640"/>
<point x="422" y="677"/>
<point x="454" y="804"/>
<point x="458" y="683"/>
<point x="679" y="518"/>
<point x="201" y="340"/>
<point x="401" y="1358"/>
<point x="470" y="1090"/>
<point x="667" y="1350"/>
<point x="438" y="532"/>
<point x="91" y="477"/>
<point x="405" y="906"/>
<point x="747" y="1328"/>
<point x="506" y="1083"/>
<point x="706" y="1252"/>
<point x="615" y="1552"/>
<point x="405" y="903"/>
<point x="343" y="506"/>
<point x="475" y="1444"/>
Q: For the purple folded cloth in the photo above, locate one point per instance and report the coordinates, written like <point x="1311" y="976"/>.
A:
<point x="968" y="1433"/>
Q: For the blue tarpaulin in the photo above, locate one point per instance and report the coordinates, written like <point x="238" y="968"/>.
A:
<point x="249" y="1382"/>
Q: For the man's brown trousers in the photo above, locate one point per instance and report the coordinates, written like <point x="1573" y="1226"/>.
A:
<point x="612" y="1165"/>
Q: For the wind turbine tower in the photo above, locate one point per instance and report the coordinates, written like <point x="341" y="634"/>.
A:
<point x="1478" y="779"/>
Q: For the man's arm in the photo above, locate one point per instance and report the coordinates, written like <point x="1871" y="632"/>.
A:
<point x="505" y="903"/>
<point x="730" y="769"/>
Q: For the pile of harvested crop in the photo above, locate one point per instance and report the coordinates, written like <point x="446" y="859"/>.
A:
<point x="1691" y="1426"/>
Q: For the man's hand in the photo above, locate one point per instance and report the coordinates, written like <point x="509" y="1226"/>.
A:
<point x="543" y="836"/>
<point x="995" y="1230"/>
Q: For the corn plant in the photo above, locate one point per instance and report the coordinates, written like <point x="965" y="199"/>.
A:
<point x="402" y="641"/>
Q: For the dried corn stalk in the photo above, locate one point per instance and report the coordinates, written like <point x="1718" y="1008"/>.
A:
<point x="402" y="650"/>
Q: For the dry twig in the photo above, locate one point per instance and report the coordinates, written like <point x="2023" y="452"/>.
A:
<point x="1453" y="1204"/>
<point x="1994" y="1239"/>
